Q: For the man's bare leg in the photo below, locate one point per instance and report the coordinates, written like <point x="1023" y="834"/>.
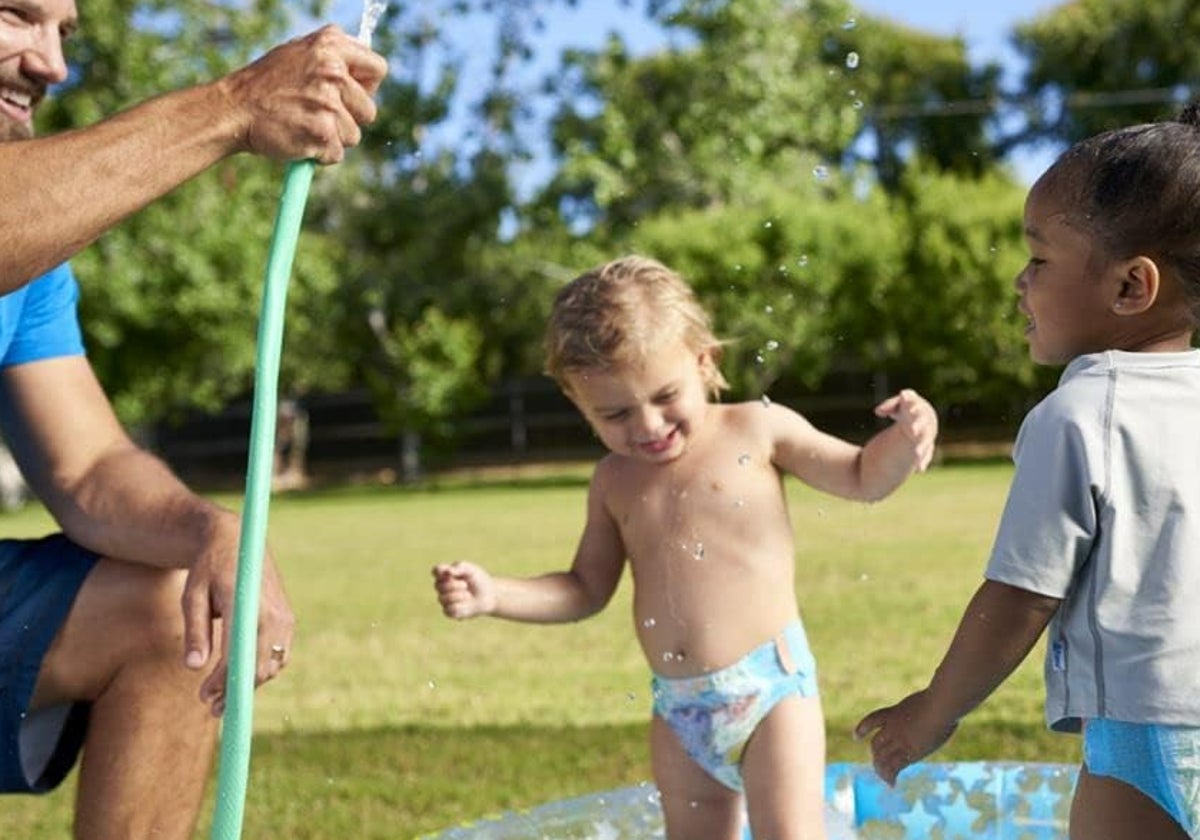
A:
<point x="150" y="740"/>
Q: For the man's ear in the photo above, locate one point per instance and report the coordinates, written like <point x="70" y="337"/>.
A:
<point x="1139" y="286"/>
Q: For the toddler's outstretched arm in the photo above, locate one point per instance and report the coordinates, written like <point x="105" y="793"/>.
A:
<point x="466" y="590"/>
<point x="866" y="473"/>
<point x="1000" y="625"/>
<point x="905" y="447"/>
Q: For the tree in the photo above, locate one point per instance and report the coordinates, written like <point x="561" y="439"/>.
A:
<point x="1094" y="65"/>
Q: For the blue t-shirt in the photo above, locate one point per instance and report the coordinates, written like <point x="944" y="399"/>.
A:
<point x="39" y="320"/>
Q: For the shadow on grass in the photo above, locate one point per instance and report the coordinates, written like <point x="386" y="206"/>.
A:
<point x="401" y="783"/>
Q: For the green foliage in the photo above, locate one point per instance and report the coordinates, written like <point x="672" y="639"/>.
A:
<point x="771" y="266"/>
<point x="948" y="323"/>
<point x="425" y="370"/>
<point x="923" y="101"/>
<point x="687" y="127"/>
<point x="1094" y="65"/>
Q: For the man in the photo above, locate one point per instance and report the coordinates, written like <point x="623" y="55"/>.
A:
<point x="305" y="99"/>
<point x="95" y="650"/>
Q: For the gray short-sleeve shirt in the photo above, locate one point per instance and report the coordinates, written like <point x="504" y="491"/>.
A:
<point x="1104" y="512"/>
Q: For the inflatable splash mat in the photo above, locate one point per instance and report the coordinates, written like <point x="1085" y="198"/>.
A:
<point x="970" y="800"/>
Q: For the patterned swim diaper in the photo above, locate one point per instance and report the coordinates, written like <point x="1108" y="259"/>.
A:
<point x="715" y="714"/>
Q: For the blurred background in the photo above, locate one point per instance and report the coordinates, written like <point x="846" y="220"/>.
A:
<point x="842" y="183"/>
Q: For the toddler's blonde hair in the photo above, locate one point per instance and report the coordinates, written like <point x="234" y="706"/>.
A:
<point x="620" y="313"/>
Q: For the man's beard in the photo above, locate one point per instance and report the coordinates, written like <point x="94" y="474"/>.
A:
<point x="13" y="130"/>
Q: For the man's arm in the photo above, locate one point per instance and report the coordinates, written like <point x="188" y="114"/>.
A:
<point x="120" y="501"/>
<point x="303" y="99"/>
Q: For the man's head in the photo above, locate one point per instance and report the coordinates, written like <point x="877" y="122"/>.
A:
<point x="31" y="58"/>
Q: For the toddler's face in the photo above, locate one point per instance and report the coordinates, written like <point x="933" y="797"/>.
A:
<point x="649" y="410"/>
<point x="1065" y="289"/>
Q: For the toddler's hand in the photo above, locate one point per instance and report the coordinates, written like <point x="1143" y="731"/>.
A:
<point x="917" y="419"/>
<point x="464" y="590"/>
<point x="903" y="734"/>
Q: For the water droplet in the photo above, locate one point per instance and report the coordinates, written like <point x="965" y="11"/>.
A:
<point x="768" y="309"/>
<point x="432" y="684"/>
<point x="698" y="553"/>
<point x="668" y="656"/>
<point x="857" y="104"/>
<point x="744" y="459"/>
<point x="630" y="696"/>
<point x="852" y="60"/>
<point x="739" y="503"/>
<point x="821" y="172"/>
<point x="759" y="359"/>
<point x="768" y="224"/>
<point x="850" y="23"/>
<point x="803" y="261"/>
<point x="772" y="344"/>
<point x="649" y="622"/>
<point x="766" y="401"/>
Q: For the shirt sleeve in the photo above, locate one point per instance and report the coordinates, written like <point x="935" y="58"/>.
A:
<point x="1051" y="516"/>
<point x="49" y="322"/>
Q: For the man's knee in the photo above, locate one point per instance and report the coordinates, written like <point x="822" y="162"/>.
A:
<point x="138" y="607"/>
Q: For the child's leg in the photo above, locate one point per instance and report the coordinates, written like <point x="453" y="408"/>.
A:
<point x="1107" y="809"/>
<point x="784" y="772"/>
<point x="695" y="805"/>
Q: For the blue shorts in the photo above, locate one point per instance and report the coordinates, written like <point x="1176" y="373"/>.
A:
<point x="39" y="580"/>
<point x="1161" y="761"/>
<point x="715" y="714"/>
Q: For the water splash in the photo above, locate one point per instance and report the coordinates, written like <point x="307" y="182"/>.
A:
<point x="372" y="11"/>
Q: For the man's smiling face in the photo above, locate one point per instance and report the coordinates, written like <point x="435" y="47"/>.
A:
<point x="31" y="58"/>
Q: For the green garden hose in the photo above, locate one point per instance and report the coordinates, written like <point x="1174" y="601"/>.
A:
<point x="236" y="727"/>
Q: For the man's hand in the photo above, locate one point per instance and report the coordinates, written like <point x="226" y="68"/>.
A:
<point x="306" y="98"/>
<point x="208" y="598"/>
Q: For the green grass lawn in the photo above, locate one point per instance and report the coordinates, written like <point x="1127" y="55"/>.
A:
<point x="394" y="722"/>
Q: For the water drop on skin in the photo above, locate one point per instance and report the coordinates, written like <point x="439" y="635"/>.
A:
<point x="744" y="459"/>
<point x="649" y="622"/>
<point x="766" y="401"/>
<point x="699" y="552"/>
